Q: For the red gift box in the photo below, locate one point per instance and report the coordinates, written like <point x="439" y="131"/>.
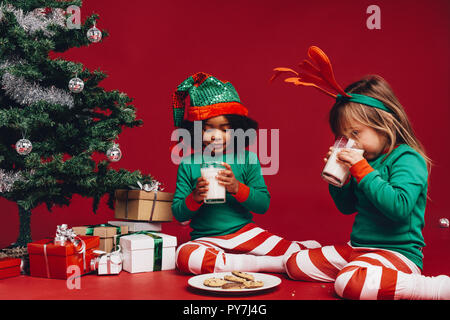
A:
<point x="49" y="260"/>
<point x="9" y="267"/>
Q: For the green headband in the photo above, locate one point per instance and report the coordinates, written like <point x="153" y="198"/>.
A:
<point x="360" y="98"/>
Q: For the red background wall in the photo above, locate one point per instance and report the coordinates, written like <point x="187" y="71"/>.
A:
<point x="154" y="45"/>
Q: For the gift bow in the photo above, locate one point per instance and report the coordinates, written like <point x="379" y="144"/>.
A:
<point x="64" y="234"/>
<point x="153" y="186"/>
<point x="109" y="259"/>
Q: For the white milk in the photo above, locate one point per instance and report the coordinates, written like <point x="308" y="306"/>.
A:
<point x="216" y="192"/>
<point x="334" y="172"/>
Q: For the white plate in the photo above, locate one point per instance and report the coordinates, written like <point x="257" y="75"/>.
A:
<point x="269" y="282"/>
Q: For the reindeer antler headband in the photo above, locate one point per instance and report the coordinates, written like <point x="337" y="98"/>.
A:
<point x="320" y="75"/>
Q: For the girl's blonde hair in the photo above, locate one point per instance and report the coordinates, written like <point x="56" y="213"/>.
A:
<point x="395" y="126"/>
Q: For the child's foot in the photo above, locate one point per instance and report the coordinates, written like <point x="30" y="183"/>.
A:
<point x="444" y="289"/>
<point x="430" y="288"/>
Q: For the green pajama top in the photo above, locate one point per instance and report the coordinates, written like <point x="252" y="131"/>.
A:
<point x="389" y="198"/>
<point x="222" y="218"/>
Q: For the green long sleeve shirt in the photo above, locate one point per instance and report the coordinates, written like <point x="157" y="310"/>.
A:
<point x="222" y="218"/>
<point x="390" y="203"/>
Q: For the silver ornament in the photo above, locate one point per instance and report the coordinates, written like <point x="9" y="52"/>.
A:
<point x="114" y="154"/>
<point x="76" y="85"/>
<point x="94" y="34"/>
<point x="444" y="223"/>
<point x="24" y="147"/>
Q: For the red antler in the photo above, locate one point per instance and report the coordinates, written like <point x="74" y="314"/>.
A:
<point x="320" y="75"/>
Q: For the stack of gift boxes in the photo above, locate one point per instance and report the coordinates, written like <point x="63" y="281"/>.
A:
<point x="13" y="262"/>
<point x="132" y="243"/>
<point x="9" y="267"/>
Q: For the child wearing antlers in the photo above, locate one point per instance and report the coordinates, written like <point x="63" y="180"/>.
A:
<point x="387" y="192"/>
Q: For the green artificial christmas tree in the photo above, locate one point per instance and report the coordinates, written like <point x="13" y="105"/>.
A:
<point x="53" y="115"/>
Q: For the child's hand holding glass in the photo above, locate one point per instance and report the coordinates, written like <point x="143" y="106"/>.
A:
<point x="344" y="154"/>
<point x="227" y="179"/>
<point x="349" y="157"/>
<point x="201" y="190"/>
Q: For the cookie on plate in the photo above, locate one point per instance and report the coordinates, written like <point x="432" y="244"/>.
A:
<point x="233" y="285"/>
<point x="214" y="282"/>
<point x="234" y="279"/>
<point x="243" y="275"/>
<point x="253" y="284"/>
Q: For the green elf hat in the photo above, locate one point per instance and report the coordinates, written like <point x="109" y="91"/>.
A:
<point x="319" y="74"/>
<point x="202" y="96"/>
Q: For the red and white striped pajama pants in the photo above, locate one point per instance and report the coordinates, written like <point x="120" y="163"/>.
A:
<point x="358" y="273"/>
<point x="249" y="249"/>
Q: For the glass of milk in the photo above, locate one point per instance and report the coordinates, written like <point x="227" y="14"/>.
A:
<point x="336" y="173"/>
<point x="216" y="192"/>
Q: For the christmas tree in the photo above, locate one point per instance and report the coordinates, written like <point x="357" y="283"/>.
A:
<point x="54" y="117"/>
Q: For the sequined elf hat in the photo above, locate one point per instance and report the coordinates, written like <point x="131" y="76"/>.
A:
<point x="319" y="74"/>
<point x="202" y="96"/>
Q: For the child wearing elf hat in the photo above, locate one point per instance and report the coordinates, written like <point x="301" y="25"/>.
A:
<point x="224" y="238"/>
<point x="387" y="191"/>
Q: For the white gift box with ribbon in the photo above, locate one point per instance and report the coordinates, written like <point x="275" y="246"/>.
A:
<point x="107" y="263"/>
<point x="148" y="251"/>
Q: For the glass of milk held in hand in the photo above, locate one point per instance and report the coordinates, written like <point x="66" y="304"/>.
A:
<point x="336" y="173"/>
<point x="216" y="192"/>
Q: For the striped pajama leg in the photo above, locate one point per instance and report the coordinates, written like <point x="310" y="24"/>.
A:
<point x="358" y="273"/>
<point x="249" y="249"/>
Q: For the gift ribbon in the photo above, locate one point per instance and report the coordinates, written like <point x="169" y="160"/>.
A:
<point x="153" y="205"/>
<point x="90" y="229"/>
<point x="46" y="261"/>
<point x="155" y="187"/>
<point x="83" y="250"/>
<point x="157" y="252"/>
